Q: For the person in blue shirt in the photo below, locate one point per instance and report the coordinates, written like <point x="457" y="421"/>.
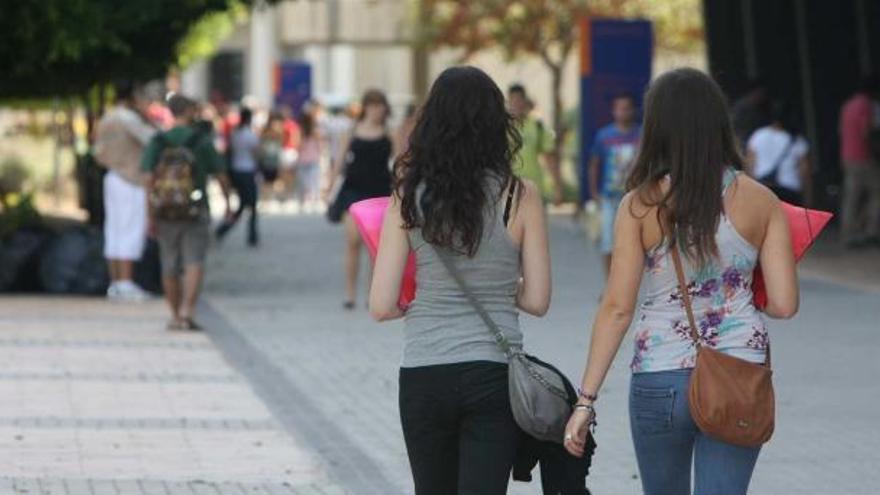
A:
<point x="611" y="157"/>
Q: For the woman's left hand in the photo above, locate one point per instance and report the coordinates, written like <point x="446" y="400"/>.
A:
<point x="576" y="432"/>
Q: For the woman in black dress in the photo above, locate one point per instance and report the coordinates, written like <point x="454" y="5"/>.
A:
<point x="365" y="171"/>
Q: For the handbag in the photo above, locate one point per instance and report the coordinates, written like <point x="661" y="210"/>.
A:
<point x="541" y="397"/>
<point x="731" y="399"/>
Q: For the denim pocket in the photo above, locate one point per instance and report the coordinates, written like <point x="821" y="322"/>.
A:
<point x="651" y="408"/>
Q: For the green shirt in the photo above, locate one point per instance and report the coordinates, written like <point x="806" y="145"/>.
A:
<point x="208" y="161"/>
<point x="536" y="141"/>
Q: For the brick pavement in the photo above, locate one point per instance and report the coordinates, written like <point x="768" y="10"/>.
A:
<point x="335" y="372"/>
<point x="97" y="398"/>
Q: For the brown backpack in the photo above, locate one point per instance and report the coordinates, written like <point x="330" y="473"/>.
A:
<point x="731" y="399"/>
<point x="174" y="195"/>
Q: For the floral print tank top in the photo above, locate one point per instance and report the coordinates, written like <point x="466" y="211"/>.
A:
<point x="721" y="297"/>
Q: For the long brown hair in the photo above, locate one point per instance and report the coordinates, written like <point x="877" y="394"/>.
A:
<point x="688" y="136"/>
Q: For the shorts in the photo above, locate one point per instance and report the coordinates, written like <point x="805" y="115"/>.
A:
<point x="609" y="207"/>
<point x="183" y="243"/>
<point x="125" y="223"/>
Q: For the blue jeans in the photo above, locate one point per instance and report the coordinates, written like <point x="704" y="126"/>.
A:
<point x="609" y="206"/>
<point x="666" y="439"/>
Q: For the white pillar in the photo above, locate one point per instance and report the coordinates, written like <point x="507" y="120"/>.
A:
<point x="194" y="80"/>
<point x="262" y="54"/>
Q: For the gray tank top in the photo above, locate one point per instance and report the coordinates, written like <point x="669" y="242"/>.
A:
<point x="441" y="327"/>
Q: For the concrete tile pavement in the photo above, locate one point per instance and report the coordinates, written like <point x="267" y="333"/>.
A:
<point x="98" y="398"/>
<point x="282" y="302"/>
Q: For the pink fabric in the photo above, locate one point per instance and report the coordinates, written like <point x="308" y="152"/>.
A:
<point x="369" y="215"/>
<point x="310" y="150"/>
<point x="855" y="120"/>
<point x="805" y="226"/>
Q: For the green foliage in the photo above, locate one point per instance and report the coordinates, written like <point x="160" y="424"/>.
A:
<point x="202" y="39"/>
<point x="66" y="47"/>
<point x="14" y="175"/>
<point x="18" y="212"/>
<point x="546" y="28"/>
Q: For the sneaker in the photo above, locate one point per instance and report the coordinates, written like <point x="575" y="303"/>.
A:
<point x="130" y="292"/>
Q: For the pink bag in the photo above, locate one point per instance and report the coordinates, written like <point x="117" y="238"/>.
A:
<point x="805" y="226"/>
<point x="369" y="215"/>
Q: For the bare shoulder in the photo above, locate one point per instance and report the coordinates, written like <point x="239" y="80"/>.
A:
<point x="528" y="201"/>
<point x="751" y="195"/>
<point x="529" y="189"/>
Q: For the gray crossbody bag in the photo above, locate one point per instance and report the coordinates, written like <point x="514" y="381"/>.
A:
<point x="541" y="397"/>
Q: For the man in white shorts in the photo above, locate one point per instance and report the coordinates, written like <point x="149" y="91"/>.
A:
<point x="121" y="136"/>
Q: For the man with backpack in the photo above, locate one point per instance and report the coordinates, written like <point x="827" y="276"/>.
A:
<point x="178" y="164"/>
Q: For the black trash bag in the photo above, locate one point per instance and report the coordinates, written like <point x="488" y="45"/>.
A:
<point x="20" y="255"/>
<point x="74" y="263"/>
<point x="148" y="271"/>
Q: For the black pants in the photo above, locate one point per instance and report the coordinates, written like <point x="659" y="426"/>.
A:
<point x="460" y="434"/>
<point x="245" y="184"/>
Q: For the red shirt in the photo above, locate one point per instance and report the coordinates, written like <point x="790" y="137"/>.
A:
<point x="856" y="119"/>
<point x="291" y="134"/>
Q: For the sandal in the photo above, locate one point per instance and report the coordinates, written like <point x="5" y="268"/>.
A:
<point x="174" y="325"/>
<point x="189" y="324"/>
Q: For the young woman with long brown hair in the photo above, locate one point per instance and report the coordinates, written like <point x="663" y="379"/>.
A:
<point x="685" y="194"/>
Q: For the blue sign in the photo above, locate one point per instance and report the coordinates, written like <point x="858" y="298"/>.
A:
<point x="293" y="85"/>
<point x="616" y="58"/>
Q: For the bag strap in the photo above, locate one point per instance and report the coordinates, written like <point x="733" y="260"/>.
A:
<point x="686" y="298"/>
<point x="785" y="152"/>
<point x="509" y="204"/>
<point x="685" y="295"/>
<point x="500" y="340"/>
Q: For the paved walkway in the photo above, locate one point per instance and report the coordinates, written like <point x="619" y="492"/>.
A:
<point x="97" y="398"/>
<point x="288" y="393"/>
<point x="282" y="305"/>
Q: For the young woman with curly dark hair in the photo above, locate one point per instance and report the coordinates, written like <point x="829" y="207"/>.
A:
<point x="455" y="196"/>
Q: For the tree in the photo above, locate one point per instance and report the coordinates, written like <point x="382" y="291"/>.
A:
<point x="67" y="47"/>
<point x="547" y="29"/>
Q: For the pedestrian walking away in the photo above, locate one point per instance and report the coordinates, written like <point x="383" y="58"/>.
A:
<point x="778" y="156"/>
<point x="120" y="138"/>
<point x="456" y="196"/>
<point x="178" y="164"/>
<point x="860" y="205"/>
<point x="611" y="158"/>
<point x="686" y="201"/>
<point x="243" y="172"/>
<point x="362" y="171"/>
<point x="308" y="164"/>
<point x="536" y="151"/>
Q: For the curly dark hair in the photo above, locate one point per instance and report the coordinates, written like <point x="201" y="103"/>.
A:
<point x="463" y="137"/>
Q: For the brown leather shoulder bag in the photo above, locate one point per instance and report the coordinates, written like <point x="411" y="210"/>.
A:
<point x="731" y="399"/>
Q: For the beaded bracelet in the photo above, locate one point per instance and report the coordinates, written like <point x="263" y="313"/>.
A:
<point x="588" y="396"/>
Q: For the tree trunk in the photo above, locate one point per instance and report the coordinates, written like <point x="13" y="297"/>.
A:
<point x="559" y="130"/>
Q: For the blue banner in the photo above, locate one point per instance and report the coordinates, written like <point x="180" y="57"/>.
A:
<point x="293" y="85"/>
<point x="616" y="58"/>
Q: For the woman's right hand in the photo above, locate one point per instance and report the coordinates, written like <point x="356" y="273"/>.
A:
<point x="576" y="431"/>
